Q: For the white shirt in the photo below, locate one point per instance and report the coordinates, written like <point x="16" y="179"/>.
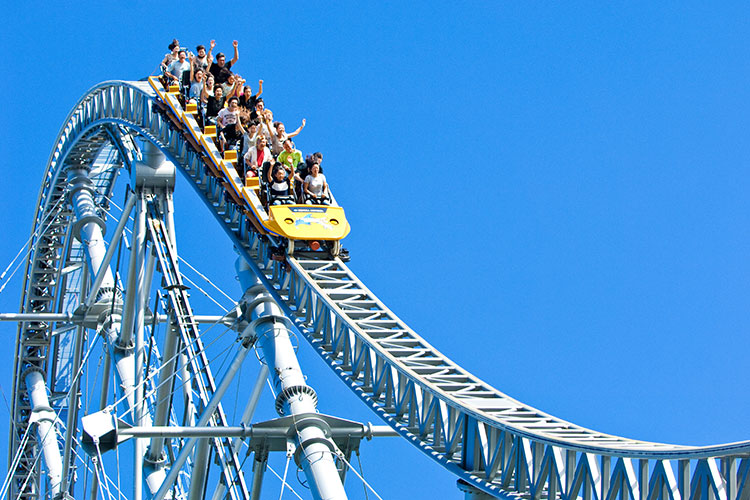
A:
<point x="227" y="117"/>
<point x="315" y="184"/>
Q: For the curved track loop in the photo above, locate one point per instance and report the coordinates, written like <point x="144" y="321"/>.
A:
<point x="488" y="439"/>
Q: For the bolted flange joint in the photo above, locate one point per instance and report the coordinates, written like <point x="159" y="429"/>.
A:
<point x="155" y="463"/>
<point x="125" y="348"/>
<point x="294" y="391"/>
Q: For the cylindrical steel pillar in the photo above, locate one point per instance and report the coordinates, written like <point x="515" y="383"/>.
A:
<point x="315" y="451"/>
<point x="45" y="426"/>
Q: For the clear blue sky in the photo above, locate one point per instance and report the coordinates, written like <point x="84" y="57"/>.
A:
<point x="555" y="195"/>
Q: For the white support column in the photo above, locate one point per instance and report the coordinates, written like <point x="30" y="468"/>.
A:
<point x="315" y="451"/>
<point x="89" y="229"/>
<point x="140" y="413"/>
<point x="198" y="475"/>
<point x="44" y="417"/>
<point x="155" y="456"/>
<point x="187" y="391"/>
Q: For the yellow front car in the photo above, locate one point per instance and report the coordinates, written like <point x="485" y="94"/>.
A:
<point x="308" y="222"/>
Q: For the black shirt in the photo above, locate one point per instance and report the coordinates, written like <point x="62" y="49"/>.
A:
<point x="214" y="105"/>
<point x="215" y="70"/>
<point x="248" y="102"/>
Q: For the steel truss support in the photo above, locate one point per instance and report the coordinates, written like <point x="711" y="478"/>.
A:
<point x="206" y="416"/>
<point x="73" y="393"/>
<point x="119" y="325"/>
<point x="193" y="365"/>
<point x="492" y="441"/>
<point x="315" y="451"/>
<point x="247" y="416"/>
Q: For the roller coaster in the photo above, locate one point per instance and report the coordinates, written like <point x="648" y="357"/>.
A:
<point x="157" y="386"/>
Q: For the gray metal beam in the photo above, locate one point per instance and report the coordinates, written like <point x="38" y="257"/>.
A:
<point x="278" y="430"/>
<point x="227" y="320"/>
<point x="205" y="417"/>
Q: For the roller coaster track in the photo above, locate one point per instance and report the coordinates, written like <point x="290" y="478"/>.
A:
<point x="489" y="440"/>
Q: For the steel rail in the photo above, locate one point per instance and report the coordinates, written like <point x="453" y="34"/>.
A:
<point x="490" y="440"/>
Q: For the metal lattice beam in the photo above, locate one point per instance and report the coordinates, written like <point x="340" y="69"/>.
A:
<point x="491" y="441"/>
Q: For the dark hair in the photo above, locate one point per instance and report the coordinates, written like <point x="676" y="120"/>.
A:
<point x="199" y="47"/>
<point x="172" y="45"/>
<point x="219" y="55"/>
<point x="233" y="99"/>
<point x="318" y="154"/>
<point x="276" y="124"/>
<point x="226" y="73"/>
<point x="218" y="86"/>
<point x="290" y="141"/>
<point x="183" y="51"/>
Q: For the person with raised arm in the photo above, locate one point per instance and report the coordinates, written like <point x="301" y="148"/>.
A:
<point x="221" y="63"/>
<point x="208" y="88"/>
<point x="227" y="121"/>
<point x="248" y="131"/>
<point x="279" y="135"/>
<point x="279" y="186"/>
<point x="202" y="60"/>
<point x="263" y="116"/>
<point x="232" y="84"/>
<point x="247" y="99"/>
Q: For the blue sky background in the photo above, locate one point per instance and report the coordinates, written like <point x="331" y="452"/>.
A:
<point x="553" y="194"/>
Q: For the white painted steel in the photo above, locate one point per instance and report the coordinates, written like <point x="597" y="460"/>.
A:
<point x="493" y="442"/>
<point x="271" y="329"/>
<point x="44" y="418"/>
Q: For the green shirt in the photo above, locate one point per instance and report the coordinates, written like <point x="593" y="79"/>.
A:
<point x="290" y="160"/>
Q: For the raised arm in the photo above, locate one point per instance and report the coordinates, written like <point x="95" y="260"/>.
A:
<point x="296" y="132"/>
<point x="268" y="126"/>
<point x="236" y="54"/>
<point x="235" y="90"/>
<point x="210" y="55"/>
<point x="260" y="88"/>
<point x="238" y="127"/>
